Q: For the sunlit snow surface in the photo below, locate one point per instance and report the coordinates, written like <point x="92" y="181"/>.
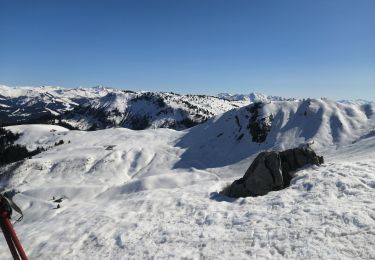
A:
<point x="142" y="194"/>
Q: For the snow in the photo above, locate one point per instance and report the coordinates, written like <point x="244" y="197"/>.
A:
<point x="154" y="193"/>
<point x="38" y="135"/>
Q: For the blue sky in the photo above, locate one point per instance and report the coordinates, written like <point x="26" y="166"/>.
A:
<point x="299" y="48"/>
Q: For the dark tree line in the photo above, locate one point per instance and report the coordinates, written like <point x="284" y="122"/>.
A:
<point x="10" y="152"/>
<point x="7" y="138"/>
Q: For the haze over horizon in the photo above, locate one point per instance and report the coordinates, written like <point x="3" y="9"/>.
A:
<point x="289" y="48"/>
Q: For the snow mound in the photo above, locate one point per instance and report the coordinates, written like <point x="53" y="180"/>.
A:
<point x="33" y="136"/>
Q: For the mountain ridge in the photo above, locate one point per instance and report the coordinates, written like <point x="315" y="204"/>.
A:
<point x="101" y="107"/>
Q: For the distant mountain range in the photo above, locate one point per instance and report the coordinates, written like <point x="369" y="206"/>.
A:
<point x="100" y="107"/>
<point x="252" y="97"/>
<point x="258" y="97"/>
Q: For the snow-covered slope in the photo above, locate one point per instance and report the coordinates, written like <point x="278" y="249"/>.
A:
<point x="100" y="107"/>
<point x="154" y="193"/>
<point x="278" y="125"/>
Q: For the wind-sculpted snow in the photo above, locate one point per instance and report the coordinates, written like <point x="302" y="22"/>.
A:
<point x="154" y="193"/>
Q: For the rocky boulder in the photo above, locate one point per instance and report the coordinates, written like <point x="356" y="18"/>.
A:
<point x="272" y="171"/>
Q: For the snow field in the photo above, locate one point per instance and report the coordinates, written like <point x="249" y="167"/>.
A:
<point x="154" y="193"/>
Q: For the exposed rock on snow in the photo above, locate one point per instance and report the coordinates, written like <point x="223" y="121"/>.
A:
<point x="259" y="124"/>
<point x="272" y="171"/>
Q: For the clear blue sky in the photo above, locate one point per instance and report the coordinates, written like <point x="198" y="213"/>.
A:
<point x="295" y="48"/>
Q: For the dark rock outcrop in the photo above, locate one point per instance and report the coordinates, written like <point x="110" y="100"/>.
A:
<point x="259" y="125"/>
<point x="272" y="171"/>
